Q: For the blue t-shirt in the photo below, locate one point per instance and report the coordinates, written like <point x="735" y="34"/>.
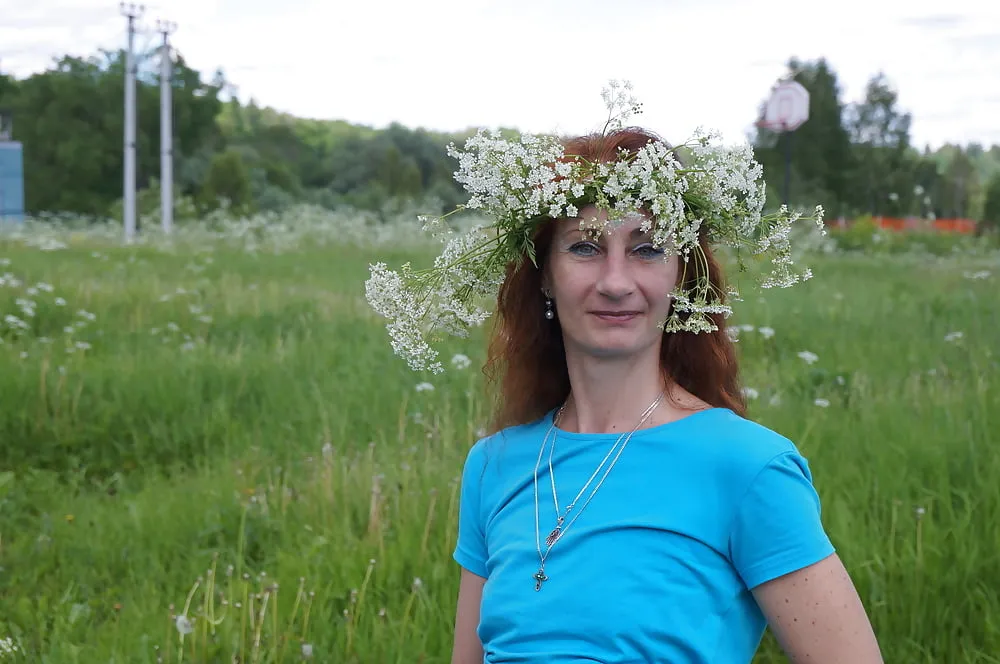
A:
<point x="659" y="566"/>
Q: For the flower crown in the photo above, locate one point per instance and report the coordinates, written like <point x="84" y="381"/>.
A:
<point x="717" y="193"/>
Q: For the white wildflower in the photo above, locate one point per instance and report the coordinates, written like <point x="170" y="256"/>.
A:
<point x="718" y="195"/>
<point x="952" y="337"/>
<point x="183" y="625"/>
<point x="750" y="393"/>
<point x="424" y="387"/>
<point x="60" y="302"/>
<point x="460" y="361"/>
<point x="307" y="651"/>
<point x="822" y="403"/>
<point x="808" y="357"/>
<point x="766" y="332"/>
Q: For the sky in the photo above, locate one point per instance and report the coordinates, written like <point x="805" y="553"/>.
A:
<point x="540" y="65"/>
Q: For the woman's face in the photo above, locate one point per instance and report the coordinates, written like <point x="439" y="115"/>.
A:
<point x="610" y="294"/>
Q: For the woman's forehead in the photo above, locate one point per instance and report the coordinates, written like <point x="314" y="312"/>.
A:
<point x="590" y="217"/>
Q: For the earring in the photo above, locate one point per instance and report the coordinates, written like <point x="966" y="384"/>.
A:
<point x="549" y="314"/>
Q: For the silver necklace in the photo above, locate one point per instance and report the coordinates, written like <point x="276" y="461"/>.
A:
<point x="558" y="532"/>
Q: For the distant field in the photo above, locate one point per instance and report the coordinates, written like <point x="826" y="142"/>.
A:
<point x="168" y="413"/>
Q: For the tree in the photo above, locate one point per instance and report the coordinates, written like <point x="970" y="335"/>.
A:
<point x="70" y="119"/>
<point x="821" y="149"/>
<point x="880" y="133"/>
<point x="228" y="180"/>
<point x="991" y="208"/>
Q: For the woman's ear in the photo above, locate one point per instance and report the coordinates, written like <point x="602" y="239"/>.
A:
<point x="546" y="285"/>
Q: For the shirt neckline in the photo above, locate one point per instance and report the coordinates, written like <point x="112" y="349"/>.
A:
<point x="649" y="431"/>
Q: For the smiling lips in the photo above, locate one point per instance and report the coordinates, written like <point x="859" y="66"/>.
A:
<point x="616" y="316"/>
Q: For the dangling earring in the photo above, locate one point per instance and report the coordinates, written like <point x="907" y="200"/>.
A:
<point x="549" y="314"/>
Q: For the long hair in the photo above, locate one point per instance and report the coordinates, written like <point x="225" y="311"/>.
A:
<point x="526" y="361"/>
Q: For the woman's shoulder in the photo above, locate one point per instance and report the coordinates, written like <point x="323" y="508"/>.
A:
<point x="489" y="443"/>
<point x="738" y="446"/>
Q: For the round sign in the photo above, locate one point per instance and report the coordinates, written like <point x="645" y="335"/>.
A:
<point x="787" y="108"/>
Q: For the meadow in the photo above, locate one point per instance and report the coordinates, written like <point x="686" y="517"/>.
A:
<point x="209" y="453"/>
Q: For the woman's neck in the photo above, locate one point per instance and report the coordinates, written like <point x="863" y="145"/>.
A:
<point x="610" y="396"/>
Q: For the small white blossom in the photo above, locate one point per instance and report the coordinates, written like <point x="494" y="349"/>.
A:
<point x="183" y="625"/>
<point x="822" y="403"/>
<point x="808" y="357"/>
<point x="952" y="337"/>
<point x="750" y="393"/>
<point x="424" y="387"/>
<point x="460" y="361"/>
<point x="60" y="302"/>
<point x="766" y="332"/>
<point x="307" y="651"/>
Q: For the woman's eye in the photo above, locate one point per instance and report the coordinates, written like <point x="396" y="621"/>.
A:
<point x="648" y="251"/>
<point x="583" y="249"/>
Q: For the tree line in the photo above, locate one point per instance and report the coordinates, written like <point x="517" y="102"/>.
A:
<point x="855" y="158"/>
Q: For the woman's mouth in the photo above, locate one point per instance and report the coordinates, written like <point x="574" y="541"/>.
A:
<point x="616" y="316"/>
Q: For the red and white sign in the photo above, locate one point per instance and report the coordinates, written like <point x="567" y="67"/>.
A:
<point x="787" y="108"/>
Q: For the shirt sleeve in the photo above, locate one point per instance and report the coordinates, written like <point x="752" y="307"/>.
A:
<point x="470" y="549"/>
<point x="777" y="527"/>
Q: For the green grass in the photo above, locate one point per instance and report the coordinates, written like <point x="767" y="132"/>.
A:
<point x="281" y="442"/>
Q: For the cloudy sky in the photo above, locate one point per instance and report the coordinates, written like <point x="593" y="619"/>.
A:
<point x="539" y="65"/>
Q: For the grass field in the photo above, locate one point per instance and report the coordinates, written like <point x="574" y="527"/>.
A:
<point x="211" y="452"/>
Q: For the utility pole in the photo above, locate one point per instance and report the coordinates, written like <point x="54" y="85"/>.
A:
<point x="131" y="12"/>
<point x="166" y="28"/>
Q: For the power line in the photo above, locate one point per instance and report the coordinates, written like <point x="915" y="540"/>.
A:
<point x="131" y="12"/>
<point x="166" y="28"/>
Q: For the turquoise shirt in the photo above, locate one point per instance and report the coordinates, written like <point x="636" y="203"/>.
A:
<point x="659" y="566"/>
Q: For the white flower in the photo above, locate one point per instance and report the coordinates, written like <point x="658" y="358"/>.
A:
<point x="808" y="357"/>
<point x="733" y="333"/>
<point x="952" y="337"/>
<point x="822" y="403"/>
<point x="183" y="625"/>
<point x="460" y="361"/>
<point x="766" y="332"/>
<point x="60" y="302"/>
<point x="719" y="192"/>
<point x="424" y="387"/>
<point x="307" y="651"/>
<point x="750" y="393"/>
<point x="8" y="647"/>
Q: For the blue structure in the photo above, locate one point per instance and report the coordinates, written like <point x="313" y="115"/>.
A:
<point x="11" y="182"/>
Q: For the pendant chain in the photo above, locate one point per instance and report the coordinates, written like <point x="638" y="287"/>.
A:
<point x="558" y="532"/>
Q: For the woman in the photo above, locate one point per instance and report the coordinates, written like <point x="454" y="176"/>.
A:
<point x="624" y="510"/>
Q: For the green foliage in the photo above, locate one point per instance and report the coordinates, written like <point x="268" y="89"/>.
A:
<point x="991" y="206"/>
<point x="227" y="183"/>
<point x="70" y="120"/>
<point x="244" y="408"/>
<point x="857" y="158"/>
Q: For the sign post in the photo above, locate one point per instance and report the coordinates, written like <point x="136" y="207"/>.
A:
<point x="786" y="110"/>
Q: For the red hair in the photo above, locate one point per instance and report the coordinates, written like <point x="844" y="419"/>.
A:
<point x="526" y="360"/>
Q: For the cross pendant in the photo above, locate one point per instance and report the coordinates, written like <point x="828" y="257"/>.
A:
<point x="539" y="578"/>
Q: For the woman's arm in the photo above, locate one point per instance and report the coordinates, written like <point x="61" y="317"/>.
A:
<point x="817" y="616"/>
<point x="467" y="648"/>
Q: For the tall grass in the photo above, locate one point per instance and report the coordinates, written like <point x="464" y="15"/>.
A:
<point x="208" y="450"/>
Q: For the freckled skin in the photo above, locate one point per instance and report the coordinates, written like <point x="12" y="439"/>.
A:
<point x="823" y="622"/>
